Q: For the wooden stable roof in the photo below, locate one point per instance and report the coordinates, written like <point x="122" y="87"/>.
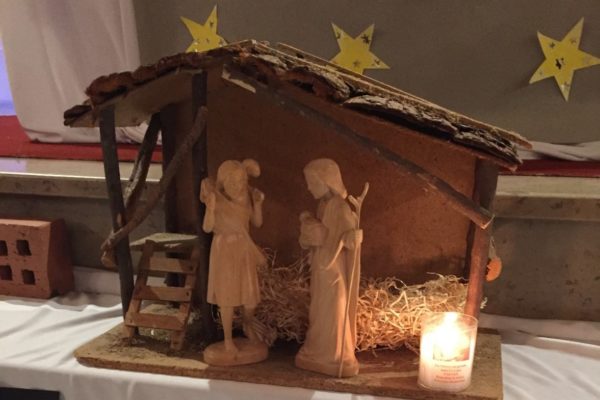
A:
<point x="137" y="95"/>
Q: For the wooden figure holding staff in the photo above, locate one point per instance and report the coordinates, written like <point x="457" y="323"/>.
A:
<point x="334" y="239"/>
<point x="231" y="205"/>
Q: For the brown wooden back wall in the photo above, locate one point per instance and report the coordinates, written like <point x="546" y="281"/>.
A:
<point x="407" y="232"/>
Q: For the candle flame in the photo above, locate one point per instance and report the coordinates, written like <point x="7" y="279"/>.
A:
<point x="451" y="341"/>
<point x="450" y="317"/>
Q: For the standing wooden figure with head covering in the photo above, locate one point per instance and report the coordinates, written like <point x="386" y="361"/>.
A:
<point x="231" y="204"/>
<point x="334" y="238"/>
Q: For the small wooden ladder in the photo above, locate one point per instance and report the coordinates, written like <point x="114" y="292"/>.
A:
<point x="186" y="266"/>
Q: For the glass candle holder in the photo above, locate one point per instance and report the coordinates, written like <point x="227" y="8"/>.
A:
<point x="447" y="350"/>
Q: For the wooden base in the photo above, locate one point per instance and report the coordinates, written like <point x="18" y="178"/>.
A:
<point x="247" y="353"/>
<point x="384" y="373"/>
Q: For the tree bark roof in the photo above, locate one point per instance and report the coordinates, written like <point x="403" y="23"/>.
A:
<point x="286" y="65"/>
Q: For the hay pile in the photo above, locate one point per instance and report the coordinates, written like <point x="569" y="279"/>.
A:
<point x="388" y="311"/>
<point x="285" y="300"/>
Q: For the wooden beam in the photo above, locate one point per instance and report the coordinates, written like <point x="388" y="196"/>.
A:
<point x="163" y="293"/>
<point x="156" y="321"/>
<point x="175" y="265"/>
<point x="200" y="171"/>
<point x="117" y="206"/>
<point x="430" y="182"/>
<point x="137" y="179"/>
<point x="163" y="185"/>
<point x="486" y="178"/>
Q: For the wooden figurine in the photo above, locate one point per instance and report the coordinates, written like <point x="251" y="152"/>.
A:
<point x="231" y="204"/>
<point x="334" y="240"/>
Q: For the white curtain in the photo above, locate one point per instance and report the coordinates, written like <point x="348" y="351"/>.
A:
<point x="54" y="49"/>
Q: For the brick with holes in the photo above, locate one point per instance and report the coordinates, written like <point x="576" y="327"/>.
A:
<point x="34" y="258"/>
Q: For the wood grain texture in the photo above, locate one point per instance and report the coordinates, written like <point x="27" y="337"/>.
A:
<point x="456" y="200"/>
<point x="408" y="231"/>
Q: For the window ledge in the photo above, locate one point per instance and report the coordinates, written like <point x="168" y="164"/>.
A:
<point x="545" y="197"/>
<point x="62" y="178"/>
<point x="524" y="197"/>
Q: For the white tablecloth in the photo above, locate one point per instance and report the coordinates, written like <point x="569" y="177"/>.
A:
<point x="37" y="339"/>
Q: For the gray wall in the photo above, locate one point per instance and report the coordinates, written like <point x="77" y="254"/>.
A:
<point x="550" y="269"/>
<point x="472" y="56"/>
<point x="88" y="221"/>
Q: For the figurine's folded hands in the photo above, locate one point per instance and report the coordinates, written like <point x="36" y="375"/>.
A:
<point x="353" y="238"/>
<point x="312" y="231"/>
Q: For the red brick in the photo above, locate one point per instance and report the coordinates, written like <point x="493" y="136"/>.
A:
<point x="34" y="258"/>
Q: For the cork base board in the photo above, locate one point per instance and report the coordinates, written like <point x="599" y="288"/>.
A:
<point x="388" y="373"/>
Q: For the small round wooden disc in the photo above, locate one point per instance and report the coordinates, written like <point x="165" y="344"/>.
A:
<point x="248" y="352"/>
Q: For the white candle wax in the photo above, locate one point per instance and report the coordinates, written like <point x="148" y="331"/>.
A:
<point x="447" y="349"/>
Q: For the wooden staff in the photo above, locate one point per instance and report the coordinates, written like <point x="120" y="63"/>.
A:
<point x="357" y="203"/>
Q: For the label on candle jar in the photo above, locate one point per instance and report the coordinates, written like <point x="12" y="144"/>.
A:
<point x="447" y="348"/>
<point x="446" y="374"/>
<point x="451" y="372"/>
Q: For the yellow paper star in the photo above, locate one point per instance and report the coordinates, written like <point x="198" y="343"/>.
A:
<point x="563" y="58"/>
<point x="205" y="35"/>
<point x="355" y="53"/>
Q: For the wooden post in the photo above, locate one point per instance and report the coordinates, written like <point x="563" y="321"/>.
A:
<point x="168" y="149"/>
<point x="478" y="242"/>
<point x="117" y="206"/>
<point x="183" y="211"/>
<point x="172" y="118"/>
<point x="200" y="171"/>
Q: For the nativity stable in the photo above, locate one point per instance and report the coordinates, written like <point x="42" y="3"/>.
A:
<point x="432" y="172"/>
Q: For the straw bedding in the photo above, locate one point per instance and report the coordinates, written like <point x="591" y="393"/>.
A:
<point x="388" y="311"/>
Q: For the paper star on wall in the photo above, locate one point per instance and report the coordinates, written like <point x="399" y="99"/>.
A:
<point x="355" y="53"/>
<point x="205" y="35"/>
<point x="563" y="58"/>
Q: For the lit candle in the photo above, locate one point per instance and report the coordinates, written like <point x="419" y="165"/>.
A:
<point x="447" y="349"/>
